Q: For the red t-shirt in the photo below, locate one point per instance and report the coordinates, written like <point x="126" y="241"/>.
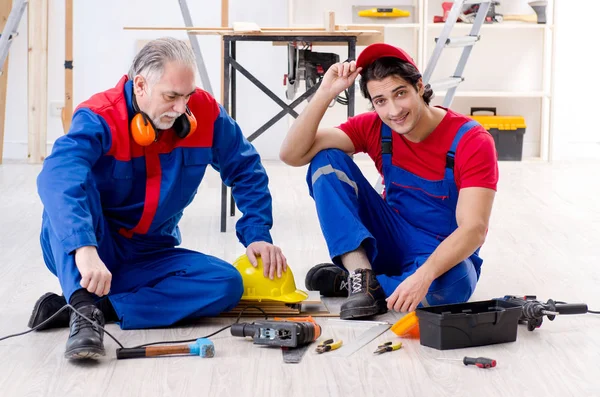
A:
<point x="476" y="160"/>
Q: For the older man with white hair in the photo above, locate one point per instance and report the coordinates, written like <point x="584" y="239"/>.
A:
<point x="114" y="189"/>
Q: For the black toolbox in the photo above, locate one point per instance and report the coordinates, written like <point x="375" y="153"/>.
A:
<point x="507" y="132"/>
<point x="469" y="324"/>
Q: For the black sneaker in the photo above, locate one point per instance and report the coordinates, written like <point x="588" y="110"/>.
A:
<point x="86" y="340"/>
<point x="328" y="279"/>
<point x="366" y="296"/>
<point x="47" y="305"/>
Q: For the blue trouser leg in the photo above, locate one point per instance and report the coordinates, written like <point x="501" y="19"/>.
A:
<point x="455" y="286"/>
<point x="349" y="209"/>
<point x="164" y="287"/>
<point x="352" y="213"/>
<point x="62" y="263"/>
<point x="149" y="288"/>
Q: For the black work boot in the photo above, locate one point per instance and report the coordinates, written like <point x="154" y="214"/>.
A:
<point x="46" y="306"/>
<point x="366" y="296"/>
<point x="328" y="279"/>
<point x="85" y="339"/>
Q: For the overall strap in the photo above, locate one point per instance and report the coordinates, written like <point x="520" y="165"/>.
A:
<point x="386" y="152"/>
<point x="452" y="152"/>
<point x="386" y="144"/>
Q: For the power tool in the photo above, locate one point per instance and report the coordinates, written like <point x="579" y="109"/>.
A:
<point x="279" y="333"/>
<point x="534" y="311"/>
<point x="305" y="64"/>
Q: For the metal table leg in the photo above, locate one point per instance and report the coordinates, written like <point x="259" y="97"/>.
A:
<point x="230" y="96"/>
<point x="351" y="56"/>
<point x="226" y="75"/>
<point x="233" y="113"/>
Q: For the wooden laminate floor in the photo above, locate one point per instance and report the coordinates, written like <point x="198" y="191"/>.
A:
<point x="543" y="240"/>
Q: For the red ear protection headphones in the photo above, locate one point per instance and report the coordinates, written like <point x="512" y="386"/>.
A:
<point x="144" y="132"/>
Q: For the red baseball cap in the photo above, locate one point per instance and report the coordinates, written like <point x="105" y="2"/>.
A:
<point x="380" y="50"/>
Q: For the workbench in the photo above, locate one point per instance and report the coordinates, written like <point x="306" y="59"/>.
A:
<point x="232" y="66"/>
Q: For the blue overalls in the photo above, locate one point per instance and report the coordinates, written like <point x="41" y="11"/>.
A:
<point x="399" y="232"/>
<point x="96" y="186"/>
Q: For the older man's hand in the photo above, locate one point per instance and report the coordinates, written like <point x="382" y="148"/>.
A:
<point x="272" y="258"/>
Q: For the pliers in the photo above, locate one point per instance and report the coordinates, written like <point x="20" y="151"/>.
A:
<point x="328" y="345"/>
<point x="387" y="347"/>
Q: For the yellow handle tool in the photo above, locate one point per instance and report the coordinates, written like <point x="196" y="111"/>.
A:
<point x="384" y="13"/>
<point x="328" y="345"/>
<point x="388" y="347"/>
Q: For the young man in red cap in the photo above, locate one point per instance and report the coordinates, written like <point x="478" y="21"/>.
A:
<point x="419" y="244"/>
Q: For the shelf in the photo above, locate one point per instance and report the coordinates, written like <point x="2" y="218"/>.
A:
<point x="401" y="25"/>
<point x="492" y="80"/>
<point x="499" y="26"/>
<point x="494" y="94"/>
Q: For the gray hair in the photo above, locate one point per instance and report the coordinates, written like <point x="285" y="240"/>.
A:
<point x="150" y="61"/>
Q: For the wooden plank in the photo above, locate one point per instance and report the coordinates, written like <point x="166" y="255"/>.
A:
<point x="184" y="28"/>
<point x="224" y="13"/>
<point x="274" y="308"/>
<point x="67" y="112"/>
<point x="360" y="42"/>
<point x="37" y="79"/>
<point x="264" y="29"/>
<point x="243" y="27"/>
<point x="376" y="35"/>
<point x="329" y="21"/>
<point x="5" y="8"/>
<point x="315" y="31"/>
<point x="291" y="34"/>
<point x="365" y="34"/>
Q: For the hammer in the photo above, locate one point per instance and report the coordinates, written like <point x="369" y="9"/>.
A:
<point x="203" y="347"/>
<point x="540" y="9"/>
<point x="540" y="13"/>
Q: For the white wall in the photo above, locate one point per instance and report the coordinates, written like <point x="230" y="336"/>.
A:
<point x="576" y="81"/>
<point x="103" y="52"/>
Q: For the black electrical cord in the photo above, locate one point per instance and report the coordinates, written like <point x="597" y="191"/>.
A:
<point x="116" y="340"/>
<point x="159" y="342"/>
<point x="343" y="100"/>
<point x="237" y="320"/>
<point x="56" y="314"/>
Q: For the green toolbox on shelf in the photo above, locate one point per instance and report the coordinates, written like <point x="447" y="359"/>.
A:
<point x="507" y="131"/>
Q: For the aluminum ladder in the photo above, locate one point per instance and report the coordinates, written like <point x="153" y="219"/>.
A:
<point x="10" y="30"/>
<point x="465" y="42"/>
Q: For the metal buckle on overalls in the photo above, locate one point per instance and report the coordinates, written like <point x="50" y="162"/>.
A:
<point x="449" y="161"/>
<point x="386" y="147"/>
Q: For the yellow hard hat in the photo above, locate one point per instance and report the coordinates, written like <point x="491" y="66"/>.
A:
<point x="257" y="287"/>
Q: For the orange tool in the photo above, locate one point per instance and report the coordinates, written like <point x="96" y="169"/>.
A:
<point x="407" y="326"/>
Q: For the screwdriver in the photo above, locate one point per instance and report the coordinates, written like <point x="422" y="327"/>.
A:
<point x="481" y="362"/>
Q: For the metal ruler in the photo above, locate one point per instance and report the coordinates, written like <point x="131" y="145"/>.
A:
<point x="294" y="356"/>
<point x="348" y="349"/>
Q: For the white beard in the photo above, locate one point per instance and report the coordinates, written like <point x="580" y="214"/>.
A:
<point x="165" y="125"/>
